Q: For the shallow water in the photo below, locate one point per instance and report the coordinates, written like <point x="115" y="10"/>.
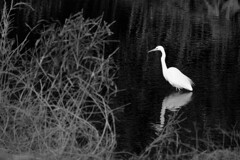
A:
<point x="201" y="41"/>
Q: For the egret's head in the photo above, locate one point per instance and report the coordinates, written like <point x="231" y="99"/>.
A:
<point x="158" y="48"/>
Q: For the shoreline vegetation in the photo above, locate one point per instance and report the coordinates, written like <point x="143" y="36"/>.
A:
<point x="55" y="99"/>
<point x="55" y="96"/>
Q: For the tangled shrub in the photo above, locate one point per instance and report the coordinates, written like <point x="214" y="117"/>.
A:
<point x="55" y="96"/>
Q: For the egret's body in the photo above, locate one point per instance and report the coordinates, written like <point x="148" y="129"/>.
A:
<point x="173" y="75"/>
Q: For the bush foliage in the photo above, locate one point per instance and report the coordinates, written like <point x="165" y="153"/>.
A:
<point x="55" y="96"/>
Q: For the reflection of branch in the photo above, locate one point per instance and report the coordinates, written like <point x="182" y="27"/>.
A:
<point x="231" y="7"/>
<point x="213" y="9"/>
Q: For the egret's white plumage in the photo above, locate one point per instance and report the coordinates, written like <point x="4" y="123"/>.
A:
<point x="173" y="75"/>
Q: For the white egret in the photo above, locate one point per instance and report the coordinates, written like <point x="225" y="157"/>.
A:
<point x="175" y="77"/>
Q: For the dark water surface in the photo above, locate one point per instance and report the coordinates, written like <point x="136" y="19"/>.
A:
<point x="201" y="40"/>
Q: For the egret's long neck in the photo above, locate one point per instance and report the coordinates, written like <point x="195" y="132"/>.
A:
<point x="164" y="66"/>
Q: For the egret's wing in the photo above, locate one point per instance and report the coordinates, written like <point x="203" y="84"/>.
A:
<point x="178" y="79"/>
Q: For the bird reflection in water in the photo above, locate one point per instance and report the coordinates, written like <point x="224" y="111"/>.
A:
<point x="173" y="102"/>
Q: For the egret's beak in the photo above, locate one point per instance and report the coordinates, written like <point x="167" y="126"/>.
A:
<point x="152" y="50"/>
